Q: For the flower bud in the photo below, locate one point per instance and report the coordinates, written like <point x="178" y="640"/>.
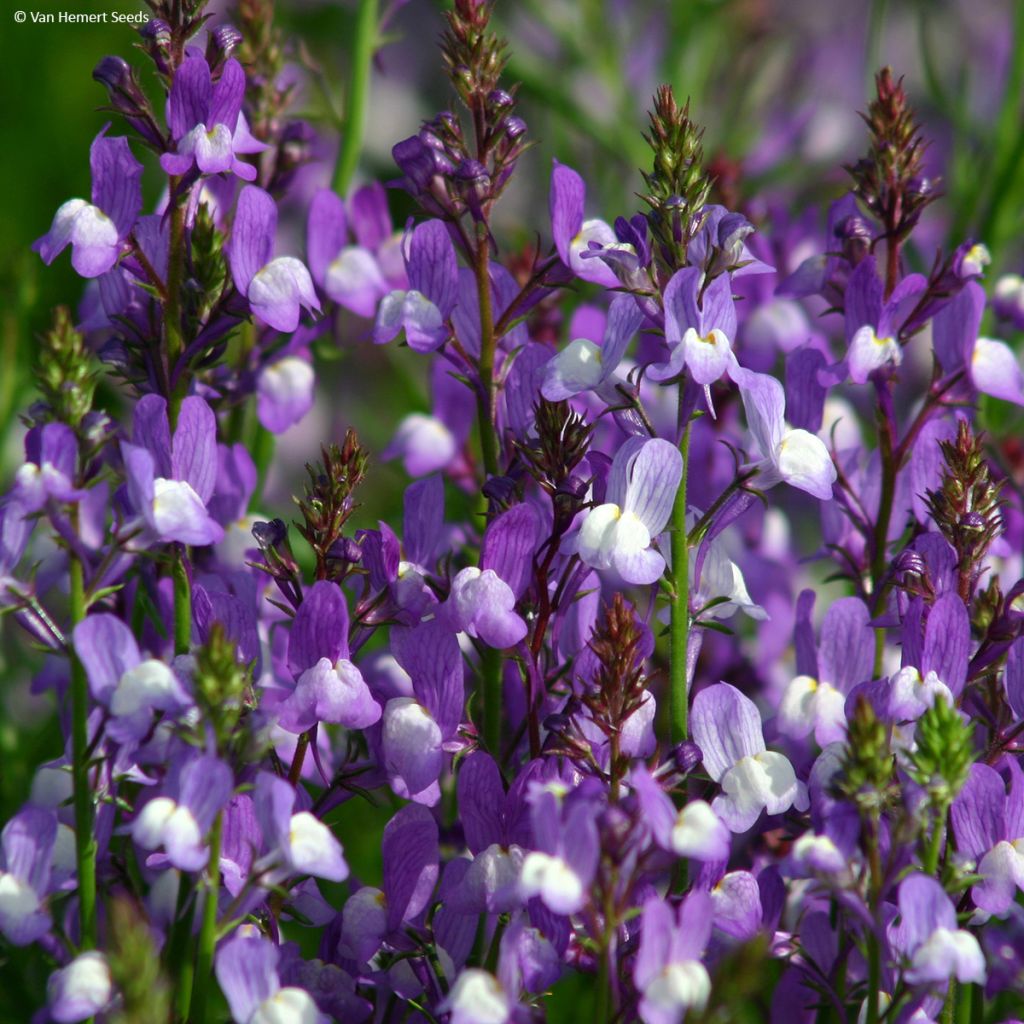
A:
<point x="221" y="44"/>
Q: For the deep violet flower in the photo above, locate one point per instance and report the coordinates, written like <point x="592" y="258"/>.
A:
<point x="96" y="231"/>
<point x="572" y="234"/>
<point x="171" y="480"/>
<point x="246" y="966"/>
<point x="206" y="120"/>
<point x="277" y="288"/>
<point x="328" y="687"/>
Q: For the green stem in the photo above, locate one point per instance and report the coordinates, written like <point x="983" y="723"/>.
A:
<point x="490" y="666"/>
<point x="948" y="1015"/>
<point x="977" y="1009"/>
<point x="180" y="966"/>
<point x="931" y="859"/>
<point x="487" y="397"/>
<point x="85" y="843"/>
<point x="173" y="336"/>
<point x="679" y="626"/>
<point x="208" y="928"/>
<point x="364" y="42"/>
<point x="182" y="605"/>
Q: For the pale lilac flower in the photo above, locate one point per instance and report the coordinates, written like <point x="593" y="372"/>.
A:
<point x="929" y="937"/>
<point x="668" y="969"/>
<point x="618" y="533"/>
<point x="727" y="728"/>
<point x="796" y="456"/>
<point x="131" y="687"/>
<point x="182" y="815"/>
<point x="80" y="990"/>
<point x="277" y="288"/>
<point x="246" y="966"/>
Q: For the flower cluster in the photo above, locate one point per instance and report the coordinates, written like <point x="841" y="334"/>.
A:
<point x="338" y="770"/>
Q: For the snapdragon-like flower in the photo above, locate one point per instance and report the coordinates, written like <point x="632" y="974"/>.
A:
<point x="206" y="120"/>
<point x="171" y="481"/>
<point x="562" y="866"/>
<point x="991" y="364"/>
<point x="355" y="276"/>
<point x="328" y="687"/>
<point x="796" y="456"/>
<point x="277" y="288"/>
<point x="871" y="321"/>
<point x="815" y="699"/>
<point x="727" y="728"/>
<point x="80" y="990"/>
<point x="246" y="966"/>
<point x="482" y="600"/>
<point x="700" y="325"/>
<point x="478" y="997"/>
<point x="96" y="231"/>
<point x="572" y="234"/>
<point x="618" y="533"/>
<point x="929" y="937"/>
<point x="182" y="815"/>
<point x="51" y="453"/>
<point x="695" y="830"/>
<point x="27" y="843"/>
<point x="668" y="969"/>
<point x="131" y="687"/>
<point x="583" y="366"/>
<point x="989" y="828"/>
<point x="299" y="843"/>
<point x="423" y="311"/>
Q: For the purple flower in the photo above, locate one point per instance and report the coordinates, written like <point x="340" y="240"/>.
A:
<point x="668" y="971"/>
<point x="928" y="935"/>
<point x="424" y="310"/>
<point x="277" y="288"/>
<point x="27" y="843"/>
<point x="206" y="120"/>
<point x="641" y="489"/>
<point x="98" y="229"/>
<point x="284" y="393"/>
<point x="80" y="990"/>
<point x="572" y="234"/>
<point x="180" y="818"/>
<point x="328" y="687"/>
<point x="584" y="366"/>
<point x="727" y="728"/>
<point x="795" y="456"/>
<point x="563" y="864"/>
<point x="246" y="968"/>
<point x="351" y="275"/>
<point x="989" y="828"/>
<point x="417" y="727"/>
<point x="482" y="601"/>
<point x="815" y="700"/>
<point x="51" y="453"/>
<point x="695" y="830"/>
<point x="871" y="323"/>
<point x="130" y="687"/>
<point x="478" y="997"/>
<point x="299" y="843"/>
<point x="170" y="482"/>
<point x="700" y="325"/>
